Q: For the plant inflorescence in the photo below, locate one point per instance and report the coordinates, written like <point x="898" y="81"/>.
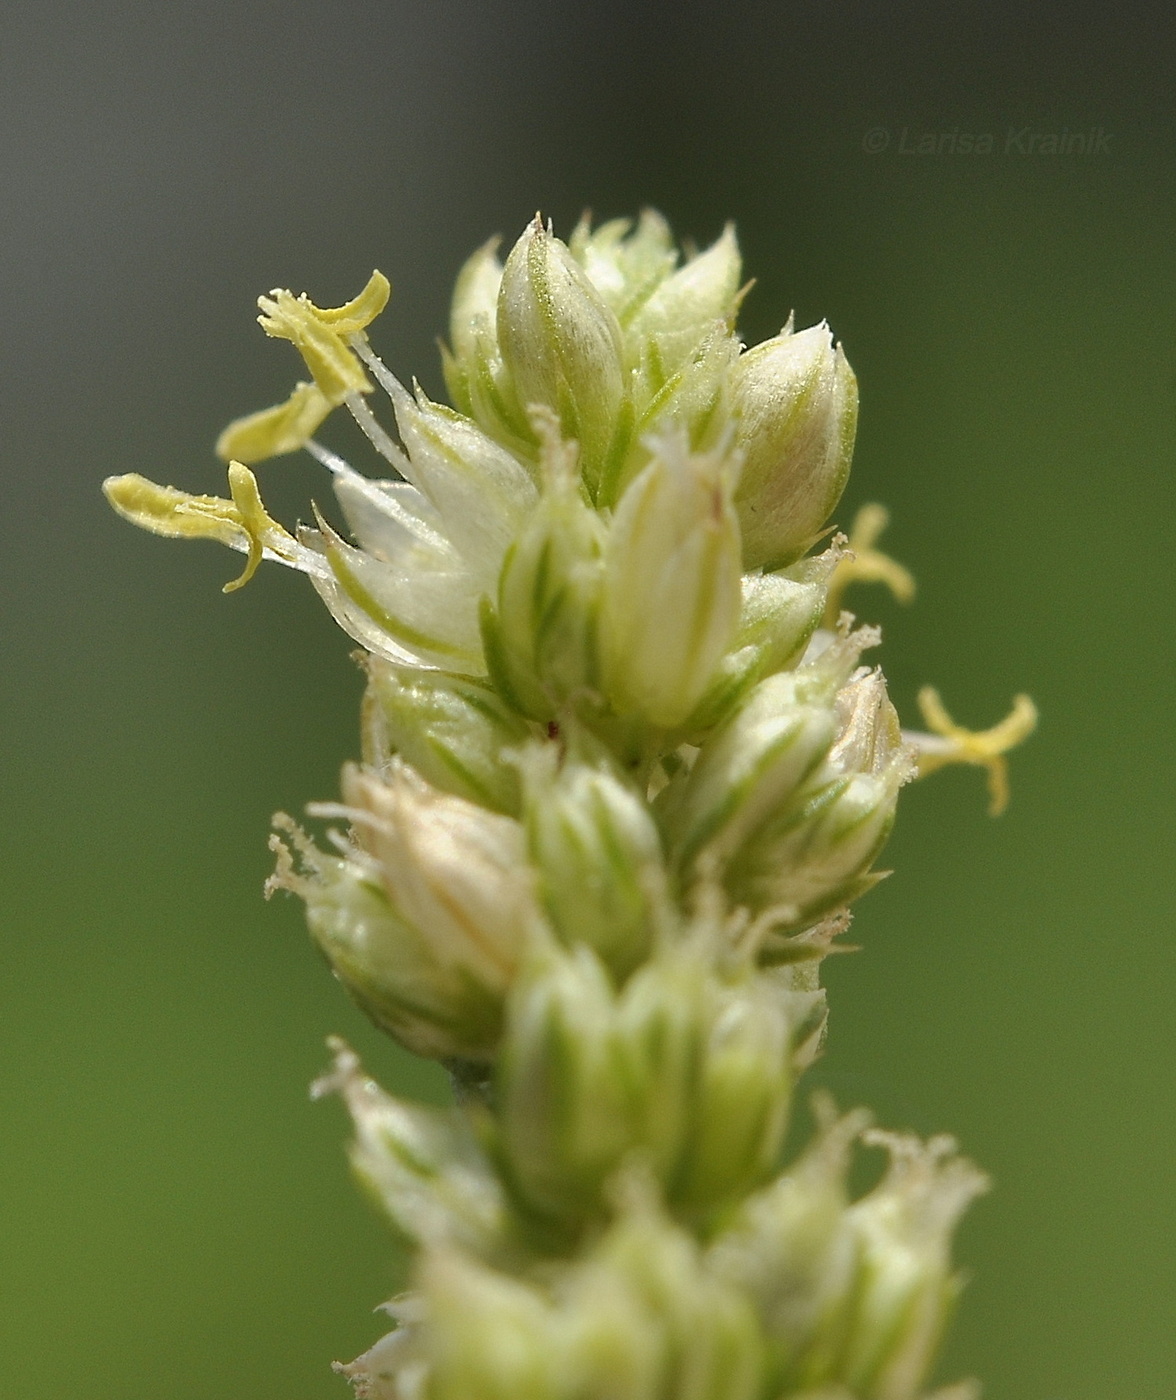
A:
<point x="623" y="774"/>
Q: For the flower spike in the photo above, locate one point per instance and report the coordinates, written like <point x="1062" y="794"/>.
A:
<point x="620" y="789"/>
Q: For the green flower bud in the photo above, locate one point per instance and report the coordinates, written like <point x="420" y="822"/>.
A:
<point x="671" y="585"/>
<point x="597" y="853"/>
<point x="421" y="1166"/>
<point x="540" y="640"/>
<point x="695" y="396"/>
<point x="664" y="1018"/>
<point x="905" y="1289"/>
<point x="817" y="857"/>
<point x="561" y="344"/>
<point x="690" y="1072"/>
<point x="388" y="967"/>
<point x="648" y="1318"/>
<point x="615" y="1346"/>
<point x="475" y="300"/>
<point x="425" y="918"/>
<point x="778" y="616"/>
<point x="488" y="1335"/>
<point x="780" y="611"/>
<point x="791" y="1249"/>
<point x="741" y="1098"/>
<point x="565" y="1110"/>
<point x="452" y="729"/>
<point x="814" y="854"/>
<point x="749" y="768"/>
<point x="683" y="308"/>
<point x="448" y="866"/>
<point x="796" y="402"/>
<point x="639" y="1317"/>
<point x="625" y="265"/>
<point x="475" y="375"/>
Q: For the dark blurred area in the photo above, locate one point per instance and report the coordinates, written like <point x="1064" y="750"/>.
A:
<point x="176" y="1217"/>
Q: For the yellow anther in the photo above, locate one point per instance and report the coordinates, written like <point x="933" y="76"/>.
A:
<point x="949" y="742"/>
<point x="284" y="428"/>
<point x="241" y="523"/>
<point x="319" y="334"/>
<point x="865" y="564"/>
<point x="254" y="520"/>
<point x="358" y="313"/>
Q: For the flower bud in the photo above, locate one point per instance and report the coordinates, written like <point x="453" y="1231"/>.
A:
<point x="796" y="401"/>
<point x="790" y="1248"/>
<point x="750" y="767"/>
<point x="421" y="1166"/>
<point x="646" y="1283"/>
<point x="475" y="300"/>
<point x="624" y="264"/>
<point x="565" y="1110"/>
<point x="387" y="966"/>
<point x="663" y="1020"/>
<point x="690" y="1073"/>
<point x="488" y="1335"/>
<point x="905" y="1288"/>
<point x="817" y="856"/>
<point x="561" y="344"/>
<point x="452" y="729"/>
<point x="695" y="397"/>
<point x="778" y="616"/>
<point x="671" y="583"/>
<point x="425" y="920"/>
<point x="447" y="865"/>
<point x="598" y="855"/>
<point x="741" y="1098"/>
<point x="475" y="375"/>
<point x="684" y="306"/>
<point x="639" y="1316"/>
<point x="540" y="640"/>
<point x="614" y="1346"/>
<point x="815" y="852"/>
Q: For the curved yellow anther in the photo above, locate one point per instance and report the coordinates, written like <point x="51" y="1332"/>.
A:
<point x="865" y="564"/>
<point x="358" y="313"/>
<point x="283" y="428"/>
<point x="241" y="523"/>
<point x="949" y="742"/>
<point x="320" y="334"/>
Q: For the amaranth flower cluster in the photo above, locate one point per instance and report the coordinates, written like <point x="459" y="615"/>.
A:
<point x="624" y="772"/>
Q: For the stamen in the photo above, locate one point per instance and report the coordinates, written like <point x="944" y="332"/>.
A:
<point x="378" y="437"/>
<point x="331" y="460"/>
<point x="380" y="371"/>
<point x="865" y="564"/>
<point x="949" y="742"/>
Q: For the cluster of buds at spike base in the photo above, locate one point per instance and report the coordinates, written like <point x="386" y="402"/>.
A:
<point x="623" y="774"/>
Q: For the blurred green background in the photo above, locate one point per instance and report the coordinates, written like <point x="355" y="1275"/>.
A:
<point x="175" y="1217"/>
